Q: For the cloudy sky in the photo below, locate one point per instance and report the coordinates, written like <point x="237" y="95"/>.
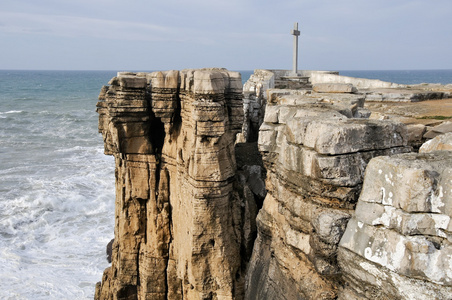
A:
<point x="236" y="34"/>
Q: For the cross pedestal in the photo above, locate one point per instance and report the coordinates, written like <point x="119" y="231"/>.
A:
<point x="295" y="32"/>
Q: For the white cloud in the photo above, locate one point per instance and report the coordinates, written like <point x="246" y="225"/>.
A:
<point x="334" y="34"/>
<point x="74" y="26"/>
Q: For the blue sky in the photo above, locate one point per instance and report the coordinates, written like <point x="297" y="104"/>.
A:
<point x="235" y="34"/>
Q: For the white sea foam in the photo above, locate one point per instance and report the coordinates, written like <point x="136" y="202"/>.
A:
<point x="54" y="234"/>
<point x="4" y="115"/>
<point x="56" y="190"/>
<point x="11" y="112"/>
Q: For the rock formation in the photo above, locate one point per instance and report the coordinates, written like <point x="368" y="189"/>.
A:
<point x="440" y="142"/>
<point x="315" y="154"/>
<point x="344" y="213"/>
<point x="180" y="224"/>
<point x="398" y="244"/>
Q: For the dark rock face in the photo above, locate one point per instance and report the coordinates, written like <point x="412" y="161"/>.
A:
<point x="109" y="250"/>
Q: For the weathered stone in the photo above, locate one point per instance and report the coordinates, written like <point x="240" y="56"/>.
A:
<point x="414" y="256"/>
<point x="315" y="154"/>
<point x="180" y="225"/>
<point x="186" y="216"/>
<point x="132" y="82"/>
<point x="443" y="127"/>
<point x="442" y="142"/>
<point x="412" y="182"/>
<point x="274" y="261"/>
<point x="333" y="88"/>
<point x="208" y="82"/>
<point x="254" y="175"/>
<point x="399" y="240"/>
<point x="415" y="132"/>
<point x="346" y="135"/>
<point x="368" y="280"/>
<point x="329" y="225"/>
<point x="362" y="113"/>
<point x="108" y="250"/>
<point x="438" y="130"/>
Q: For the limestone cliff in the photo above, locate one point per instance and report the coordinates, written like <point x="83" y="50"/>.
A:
<point x="180" y="223"/>
<point x="315" y="154"/>
<point x="345" y="211"/>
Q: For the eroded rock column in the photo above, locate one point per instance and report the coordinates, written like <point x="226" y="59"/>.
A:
<point x="178" y="229"/>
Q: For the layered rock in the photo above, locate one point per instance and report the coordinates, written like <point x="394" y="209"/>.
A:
<point x="187" y="196"/>
<point x="315" y="151"/>
<point x="398" y="245"/>
<point x="180" y="221"/>
<point x="254" y="102"/>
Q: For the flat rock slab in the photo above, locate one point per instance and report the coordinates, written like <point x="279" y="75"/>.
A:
<point x="443" y="128"/>
<point x="431" y="108"/>
<point x="438" y="130"/>
<point x="413" y="182"/>
<point x="334" y="88"/>
<point x="434" y="115"/>
<point x="404" y="94"/>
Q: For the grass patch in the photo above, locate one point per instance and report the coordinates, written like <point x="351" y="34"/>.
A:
<point x="435" y="117"/>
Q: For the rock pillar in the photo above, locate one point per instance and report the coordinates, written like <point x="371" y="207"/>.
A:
<point x="178" y="220"/>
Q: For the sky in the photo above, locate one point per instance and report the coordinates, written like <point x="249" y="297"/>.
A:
<point x="235" y="34"/>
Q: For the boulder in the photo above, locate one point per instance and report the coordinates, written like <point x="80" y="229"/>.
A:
<point x="442" y="142"/>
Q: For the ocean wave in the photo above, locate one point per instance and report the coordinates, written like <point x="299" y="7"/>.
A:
<point x="57" y="189"/>
<point x="56" y="216"/>
<point x="54" y="227"/>
<point x="11" y="112"/>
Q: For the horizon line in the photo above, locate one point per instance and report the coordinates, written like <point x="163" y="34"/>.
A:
<point x="237" y="70"/>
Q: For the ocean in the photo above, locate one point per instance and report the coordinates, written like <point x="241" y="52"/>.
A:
<point x="404" y="76"/>
<point x="57" y="186"/>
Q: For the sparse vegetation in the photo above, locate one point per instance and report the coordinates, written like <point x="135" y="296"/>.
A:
<point x="435" y="117"/>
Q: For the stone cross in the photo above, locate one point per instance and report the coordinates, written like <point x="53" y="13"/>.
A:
<point x="295" y="32"/>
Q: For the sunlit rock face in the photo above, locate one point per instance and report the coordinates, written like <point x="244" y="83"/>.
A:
<point x="442" y="142"/>
<point x="398" y="245"/>
<point x="316" y="201"/>
<point x="315" y="148"/>
<point x="182" y="219"/>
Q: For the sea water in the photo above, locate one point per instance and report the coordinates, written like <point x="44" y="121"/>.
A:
<point x="57" y="186"/>
<point x="404" y="76"/>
